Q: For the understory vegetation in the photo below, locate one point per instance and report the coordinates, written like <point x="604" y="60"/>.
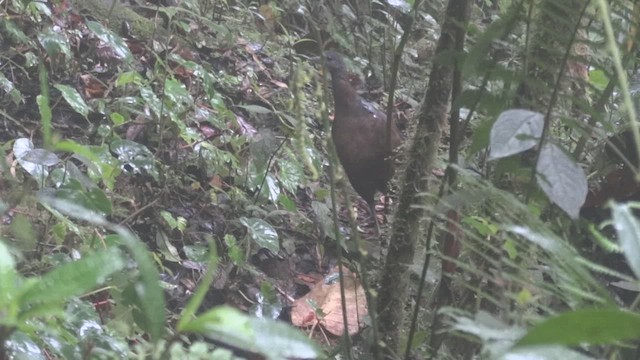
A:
<point x="169" y="188"/>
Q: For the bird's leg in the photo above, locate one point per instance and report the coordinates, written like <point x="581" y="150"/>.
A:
<point x="372" y="209"/>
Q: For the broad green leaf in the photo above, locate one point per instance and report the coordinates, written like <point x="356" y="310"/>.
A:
<point x="14" y="32"/>
<point x="147" y="289"/>
<point x="543" y="353"/>
<point x="41" y="157"/>
<point x="287" y="203"/>
<point x="75" y="278"/>
<point x="562" y="179"/>
<point x="262" y="233"/>
<point x="591" y="326"/>
<point x="10" y="89"/>
<point x="98" y="159"/>
<point x="74" y="99"/>
<point x="137" y="156"/>
<point x="256" y="109"/>
<point x="117" y="44"/>
<point x="21" y="147"/>
<point x="166" y="248"/>
<point x="291" y="174"/>
<point x="99" y="200"/>
<point x="129" y="77"/>
<point x="177" y="93"/>
<point x="21" y="347"/>
<point x="628" y="229"/>
<point x="69" y="205"/>
<point x="514" y="132"/>
<point x="273" y="339"/>
<point x="54" y="43"/>
<point x="8" y="280"/>
<point x="599" y="79"/>
<point x="151" y="100"/>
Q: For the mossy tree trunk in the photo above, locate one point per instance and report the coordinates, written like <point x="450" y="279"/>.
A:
<point x="407" y="226"/>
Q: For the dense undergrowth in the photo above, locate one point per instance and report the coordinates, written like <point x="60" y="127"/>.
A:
<point x="165" y="166"/>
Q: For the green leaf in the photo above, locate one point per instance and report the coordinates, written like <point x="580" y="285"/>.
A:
<point x="74" y="278"/>
<point x="10" y="89"/>
<point x="151" y="100"/>
<point x="74" y="99"/>
<point x="543" y="353"/>
<point x="514" y="132"/>
<point x="177" y="93"/>
<point x="592" y="326"/>
<point x="117" y="44"/>
<point x="22" y="347"/>
<point x="147" y="289"/>
<point x="129" y="77"/>
<point x="98" y="160"/>
<point x="14" y="32"/>
<point x="291" y="174"/>
<point x="23" y="146"/>
<point x="262" y="233"/>
<point x="54" y="43"/>
<point x="41" y="157"/>
<point x="273" y="339"/>
<point x="8" y="279"/>
<point x="256" y="109"/>
<point x="562" y="179"/>
<point x="599" y="79"/>
<point x="194" y="303"/>
<point x="628" y="229"/>
<point x="137" y="156"/>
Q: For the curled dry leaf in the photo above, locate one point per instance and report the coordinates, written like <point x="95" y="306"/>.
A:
<point x="93" y="88"/>
<point x="325" y="296"/>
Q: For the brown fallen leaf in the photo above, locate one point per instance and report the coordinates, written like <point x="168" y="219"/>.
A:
<point x="323" y="305"/>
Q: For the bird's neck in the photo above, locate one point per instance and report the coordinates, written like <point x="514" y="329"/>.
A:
<point x="345" y="96"/>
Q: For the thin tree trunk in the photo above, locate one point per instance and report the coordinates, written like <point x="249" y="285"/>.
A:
<point x="421" y="159"/>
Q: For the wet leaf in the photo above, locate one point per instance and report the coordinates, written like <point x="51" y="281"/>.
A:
<point x="590" y="326"/>
<point x="176" y="92"/>
<point x="74" y="278"/>
<point x="167" y="249"/>
<point x="21" y="147"/>
<point x="514" y="132"/>
<point x="262" y="233"/>
<point x="120" y="48"/>
<point x="41" y="157"/>
<point x="291" y="174"/>
<point x="8" y="277"/>
<point x="147" y="287"/>
<point x="10" y="89"/>
<point x="562" y="179"/>
<point x="54" y="43"/>
<point x="273" y="339"/>
<point x="543" y="353"/>
<point x="135" y="155"/>
<point x="74" y="99"/>
<point x="151" y="100"/>
<point x="256" y="109"/>
<point x="628" y="230"/>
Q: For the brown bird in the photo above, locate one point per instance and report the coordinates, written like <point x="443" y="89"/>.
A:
<point x="359" y="133"/>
